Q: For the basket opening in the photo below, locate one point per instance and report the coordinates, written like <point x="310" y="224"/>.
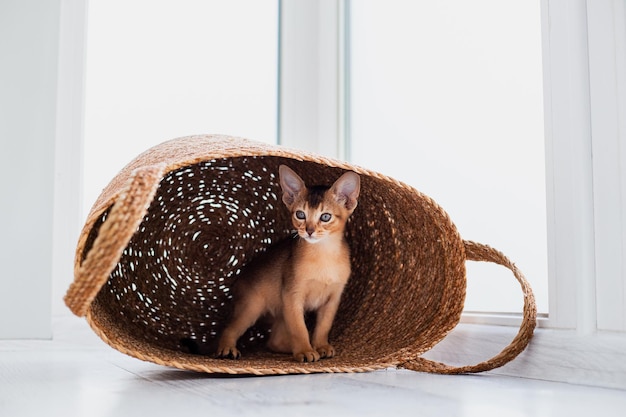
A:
<point x="209" y="219"/>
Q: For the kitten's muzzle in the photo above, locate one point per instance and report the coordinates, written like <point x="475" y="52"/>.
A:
<point x="309" y="238"/>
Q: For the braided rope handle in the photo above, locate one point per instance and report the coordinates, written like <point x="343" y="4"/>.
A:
<point x="479" y="252"/>
<point x="119" y="227"/>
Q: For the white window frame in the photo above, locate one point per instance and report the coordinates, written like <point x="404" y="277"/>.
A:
<point x="606" y="21"/>
<point x="585" y="194"/>
<point x="585" y="102"/>
<point x="68" y="189"/>
<point x="313" y="90"/>
<point x="568" y="163"/>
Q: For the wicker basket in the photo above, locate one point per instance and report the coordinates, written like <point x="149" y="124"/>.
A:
<point x="167" y="237"/>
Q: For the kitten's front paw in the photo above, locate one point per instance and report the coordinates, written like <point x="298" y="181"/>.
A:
<point x="325" y="351"/>
<point x="229" y="352"/>
<point x="307" y="356"/>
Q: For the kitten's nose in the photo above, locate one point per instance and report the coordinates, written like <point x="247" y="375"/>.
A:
<point x="310" y="230"/>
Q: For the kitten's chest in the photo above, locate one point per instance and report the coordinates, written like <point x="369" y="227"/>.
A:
<point x="319" y="275"/>
<point x="320" y="271"/>
<point x="324" y="264"/>
<point x="318" y="281"/>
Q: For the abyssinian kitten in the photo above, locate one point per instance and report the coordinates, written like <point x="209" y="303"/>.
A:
<point x="307" y="273"/>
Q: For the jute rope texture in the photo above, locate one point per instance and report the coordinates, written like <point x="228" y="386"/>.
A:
<point x="169" y="235"/>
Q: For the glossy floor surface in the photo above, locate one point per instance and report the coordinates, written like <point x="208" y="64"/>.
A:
<point x="78" y="375"/>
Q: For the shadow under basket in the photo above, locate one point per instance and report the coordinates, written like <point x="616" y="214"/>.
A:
<point x="168" y="237"/>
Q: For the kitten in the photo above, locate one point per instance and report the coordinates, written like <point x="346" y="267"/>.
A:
<point x="307" y="273"/>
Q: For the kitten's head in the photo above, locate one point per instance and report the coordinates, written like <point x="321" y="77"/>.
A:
<point x="318" y="212"/>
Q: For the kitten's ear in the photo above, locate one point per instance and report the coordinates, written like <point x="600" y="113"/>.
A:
<point x="291" y="184"/>
<point x="346" y="190"/>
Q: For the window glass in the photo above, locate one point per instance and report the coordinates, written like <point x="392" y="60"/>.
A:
<point x="447" y="96"/>
<point x="157" y="70"/>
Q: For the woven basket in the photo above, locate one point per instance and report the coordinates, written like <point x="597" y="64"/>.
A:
<point x="168" y="236"/>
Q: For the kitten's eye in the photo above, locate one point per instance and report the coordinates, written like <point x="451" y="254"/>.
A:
<point x="300" y="215"/>
<point x="326" y="217"/>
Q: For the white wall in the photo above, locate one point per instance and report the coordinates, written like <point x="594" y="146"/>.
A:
<point x="29" y="32"/>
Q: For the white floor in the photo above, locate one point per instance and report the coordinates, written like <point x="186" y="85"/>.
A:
<point x="78" y="375"/>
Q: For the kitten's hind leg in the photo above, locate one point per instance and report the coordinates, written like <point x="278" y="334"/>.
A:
<point x="279" y="340"/>
<point x="246" y="313"/>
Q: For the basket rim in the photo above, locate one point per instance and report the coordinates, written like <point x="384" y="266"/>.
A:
<point x="208" y="147"/>
<point x="166" y="158"/>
